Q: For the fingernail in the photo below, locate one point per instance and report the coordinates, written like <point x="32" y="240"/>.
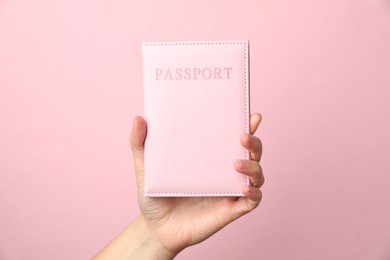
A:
<point x="243" y="164"/>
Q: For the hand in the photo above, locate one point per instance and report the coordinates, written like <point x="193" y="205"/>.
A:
<point x="176" y="223"/>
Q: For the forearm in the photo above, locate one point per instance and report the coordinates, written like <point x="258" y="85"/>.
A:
<point x="136" y="241"/>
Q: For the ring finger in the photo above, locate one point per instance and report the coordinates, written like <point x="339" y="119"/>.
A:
<point x="252" y="169"/>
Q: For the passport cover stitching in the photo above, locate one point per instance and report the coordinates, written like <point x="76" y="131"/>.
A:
<point x="151" y="44"/>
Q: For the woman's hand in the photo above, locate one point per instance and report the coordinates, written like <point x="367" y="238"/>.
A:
<point x="167" y="225"/>
<point x="184" y="221"/>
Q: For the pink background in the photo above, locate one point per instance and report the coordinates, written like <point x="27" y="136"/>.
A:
<point x="71" y="82"/>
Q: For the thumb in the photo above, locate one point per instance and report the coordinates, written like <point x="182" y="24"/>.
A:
<point x="137" y="141"/>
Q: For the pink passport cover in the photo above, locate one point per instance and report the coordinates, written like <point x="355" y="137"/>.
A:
<point x="196" y="98"/>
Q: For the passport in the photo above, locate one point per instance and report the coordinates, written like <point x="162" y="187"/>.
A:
<point x="197" y="106"/>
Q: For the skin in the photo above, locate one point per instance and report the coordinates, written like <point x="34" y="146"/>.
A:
<point x="166" y="226"/>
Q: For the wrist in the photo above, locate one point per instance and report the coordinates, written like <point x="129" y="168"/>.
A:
<point x="149" y="243"/>
<point x="136" y="242"/>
